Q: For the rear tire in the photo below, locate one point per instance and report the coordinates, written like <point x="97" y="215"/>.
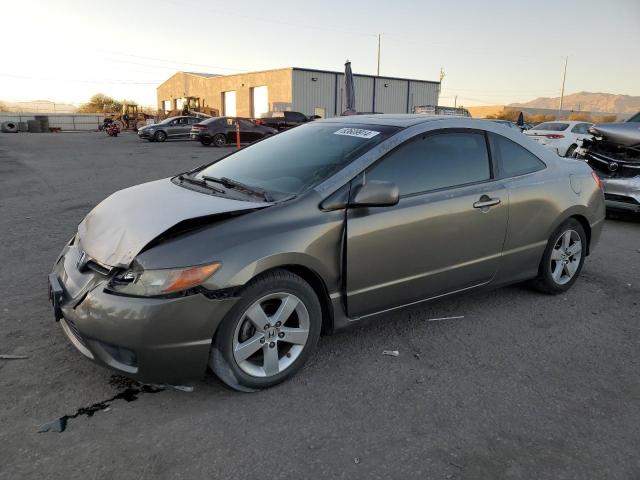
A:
<point x="563" y="258"/>
<point x="160" y="136"/>
<point x="206" y="141"/>
<point x="269" y="334"/>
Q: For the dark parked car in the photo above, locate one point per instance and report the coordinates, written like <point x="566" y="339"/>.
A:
<point x="221" y="131"/>
<point x="284" y="120"/>
<point x="241" y="263"/>
<point x="169" y="128"/>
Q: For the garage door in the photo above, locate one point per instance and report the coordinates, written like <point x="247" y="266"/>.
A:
<point x="229" y="103"/>
<point x="260" y="101"/>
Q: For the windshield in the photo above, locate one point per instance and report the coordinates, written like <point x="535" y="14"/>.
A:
<point x="635" y="118"/>
<point x="298" y="159"/>
<point x="551" y="126"/>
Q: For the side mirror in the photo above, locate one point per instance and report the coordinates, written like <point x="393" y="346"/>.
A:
<point x="375" y="194"/>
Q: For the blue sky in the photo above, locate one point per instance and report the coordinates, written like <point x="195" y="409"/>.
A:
<point x="492" y="51"/>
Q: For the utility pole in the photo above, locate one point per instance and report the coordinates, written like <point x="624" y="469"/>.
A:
<point x="378" y="70"/>
<point x="455" y="102"/>
<point x="564" y="76"/>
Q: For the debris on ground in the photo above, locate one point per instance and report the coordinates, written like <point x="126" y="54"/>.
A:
<point x="130" y="394"/>
<point x="181" y="388"/>
<point x="12" y="357"/>
<point x="356" y="460"/>
<point x="391" y="353"/>
<point x="417" y="355"/>
<point x="444" y="318"/>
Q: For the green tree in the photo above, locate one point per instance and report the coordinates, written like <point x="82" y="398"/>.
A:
<point x="101" y="103"/>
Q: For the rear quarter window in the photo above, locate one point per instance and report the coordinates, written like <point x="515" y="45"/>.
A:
<point x="512" y="159"/>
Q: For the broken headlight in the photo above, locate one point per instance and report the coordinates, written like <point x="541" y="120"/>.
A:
<point x="152" y="283"/>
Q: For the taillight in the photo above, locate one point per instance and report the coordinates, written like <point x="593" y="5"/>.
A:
<point x="257" y="121"/>
<point x="554" y="136"/>
<point x="199" y="127"/>
<point x="596" y="179"/>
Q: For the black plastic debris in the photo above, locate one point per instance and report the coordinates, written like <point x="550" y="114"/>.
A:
<point x="130" y="394"/>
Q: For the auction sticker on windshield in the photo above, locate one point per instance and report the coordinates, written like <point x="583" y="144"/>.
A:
<point x="356" y="132"/>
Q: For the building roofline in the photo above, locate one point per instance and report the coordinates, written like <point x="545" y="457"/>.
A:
<point x="300" y="69"/>
<point x="365" y="75"/>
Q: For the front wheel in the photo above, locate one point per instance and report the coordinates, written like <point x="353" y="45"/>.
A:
<point x="563" y="258"/>
<point x="269" y="334"/>
<point x="206" y="141"/>
<point x="160" y="136"/>
<point x="571" y="151"/>
<point x="219" y="140"/>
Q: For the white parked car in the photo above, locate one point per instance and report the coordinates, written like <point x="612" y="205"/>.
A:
<point x="560" y="135"/>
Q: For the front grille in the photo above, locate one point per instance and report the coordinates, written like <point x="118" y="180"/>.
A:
<point x="620" y="198"/>
<point x="96" y="267"/>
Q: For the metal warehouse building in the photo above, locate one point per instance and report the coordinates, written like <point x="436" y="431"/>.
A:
<point x="312" y="92"/>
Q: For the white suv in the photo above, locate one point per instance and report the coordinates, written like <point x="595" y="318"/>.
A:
<point x="560" y="135"/>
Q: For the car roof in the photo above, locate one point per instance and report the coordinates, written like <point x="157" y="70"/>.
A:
<point x="391" y="119"/>
<point x="570" y="122"/>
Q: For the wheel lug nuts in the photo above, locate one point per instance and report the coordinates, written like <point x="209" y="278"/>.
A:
<point x="288" y="355"/>
<point x="262" y="340"/>
<point x="278" y="324"/>
<point x="267" y="326"/>
<point x="281" y="334"/>
<point x="272" y="344"/>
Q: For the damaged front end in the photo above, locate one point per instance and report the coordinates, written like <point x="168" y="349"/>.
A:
<point x="150" y="323"/>
<point x="614" y="154"/>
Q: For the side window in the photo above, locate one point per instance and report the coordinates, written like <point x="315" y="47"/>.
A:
<point x="579" y="128"/>
<point x="435" y="161"/>
<point x="245" y="124"/>
<point x="193" y="120"/>
<point x="512" y="158"/>
<point x="295" y="117"/>
<point x="231" y="122"/>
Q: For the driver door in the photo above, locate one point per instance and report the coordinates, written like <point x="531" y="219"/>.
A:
<point x="445" y="234"/>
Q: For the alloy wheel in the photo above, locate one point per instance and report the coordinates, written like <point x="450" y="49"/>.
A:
<point x="566" y="257"/>
<point x="271" y="334"/>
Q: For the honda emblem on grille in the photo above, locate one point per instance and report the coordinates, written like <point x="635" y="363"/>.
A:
<point x="81" y="260"/>
<point x="613" y="166"/>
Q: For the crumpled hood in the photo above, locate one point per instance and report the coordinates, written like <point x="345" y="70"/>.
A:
<point x="626" y="134"/>
<point x="120" y="226"/>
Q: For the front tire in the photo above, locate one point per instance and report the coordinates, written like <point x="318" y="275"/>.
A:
<point x="160" y="136"/>
<point x="206" y="141"/>
<point x="563" y="258"/>
<point x="571" y="151"/>
<point x="219" y="140"/>
<point x="270" y="333"/>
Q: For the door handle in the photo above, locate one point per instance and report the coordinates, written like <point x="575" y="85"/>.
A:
<point x="485" y="202"/>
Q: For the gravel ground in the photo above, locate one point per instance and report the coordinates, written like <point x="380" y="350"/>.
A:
<point x="525" y="386"/>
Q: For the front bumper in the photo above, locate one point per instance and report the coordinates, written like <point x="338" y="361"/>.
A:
<point x="153" y="340"/>
<point x="622" y="193"/>
<point x="146" y="133"/>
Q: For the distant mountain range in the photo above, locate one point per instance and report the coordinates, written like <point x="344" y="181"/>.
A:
<point x="41" y="106"/>
<point x="587" y="102"/>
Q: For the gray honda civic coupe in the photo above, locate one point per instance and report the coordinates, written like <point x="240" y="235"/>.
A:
<point x="241" y="264"/>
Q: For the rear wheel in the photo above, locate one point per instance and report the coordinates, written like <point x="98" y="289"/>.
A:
<point x="206" y="141"/>
<point x="563" y="258"/>
<point x="160" y="136"/>
<point x="269" y="334"/>
<point x="219" y="140"/>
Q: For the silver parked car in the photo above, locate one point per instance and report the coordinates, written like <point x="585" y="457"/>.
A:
<point x="241" y="264"/>
<point x="171" y="128"/>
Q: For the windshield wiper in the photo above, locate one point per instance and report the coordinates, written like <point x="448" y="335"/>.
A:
<point x="228" y="182"/>
<point x="202" y="183"/>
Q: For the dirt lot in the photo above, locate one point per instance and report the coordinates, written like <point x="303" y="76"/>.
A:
<point x="525" y="386"/>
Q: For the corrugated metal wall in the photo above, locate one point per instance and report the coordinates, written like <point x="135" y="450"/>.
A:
<point x="316" y="89"/>
<point x="422" y="93"/>
<point x="313" y="89"/>
<point x="69" y="121"/>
